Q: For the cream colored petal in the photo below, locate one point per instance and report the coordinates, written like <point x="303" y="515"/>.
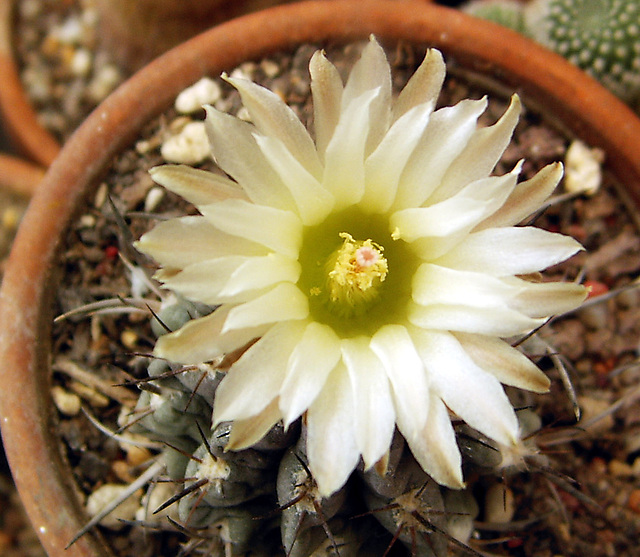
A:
<point x="331" y="443"/>
<point x="201" y="340"/>
<point x="180" y="242"/>
<point x="236" y="152"/>
<point x="282" y="303"/>
<point x="385" y="165"/>
<point x="443" y="225"/>
<point x="275" y="119"/>
<point x="311" y="362"/>
<point x="262" y="272"/>
<point x="199" y="187"/>
<point x="543" y="299"/>
<point x="509" y="251"/>
<point x="436" y="449"/>
<point x="371" y="72"/>
<point x="246" y="433"/>
<point x="474" y="395"/>
<point x="507" y="364"/>
<point x="424" y="85"/>
<point x="375" y="417"/>
<point x="206" y="280"/>
<point x="447" y="133"/>
<point x="313" y="201"/>
<point x="254" y="381"/>
<point x="527" y="197"/>
<point x="345" y="154"/>
<point x="394" y="347"/>
<point x="435" y="285"/>
<point x="326" y="88"/>
<point x="497" y="321"/>
<point x="278" y="230"/>
<point x="481" y="153"/>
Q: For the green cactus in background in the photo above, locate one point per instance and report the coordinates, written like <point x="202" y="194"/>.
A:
<point x="602" y="37"/>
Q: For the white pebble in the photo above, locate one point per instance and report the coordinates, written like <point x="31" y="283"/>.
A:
<point x="70" y="32"/>
<point x="67" y="403"/>
<point x="583" y="172"/>
<point x="190" y="146"/>
<point x="154" y="196"/>
<point x="103" y="496"/>
<point x="81" y="62"/>
<point x="160" y="494"/>
<point x="205" y="91"/>
<point x="105" y="81"/>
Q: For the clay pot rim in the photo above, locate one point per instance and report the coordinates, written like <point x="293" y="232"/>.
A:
<point x="25" y="299"/>
<point x="19" y="118"/>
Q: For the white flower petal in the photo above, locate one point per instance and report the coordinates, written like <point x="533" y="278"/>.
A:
<point x="183" y="241"/>
<point x="314" y="357"/>
<point x="509" y="251"/>
<point x="278" y="230"/>
<point x="331" y="444"/>
<point x="436" y="449"/>
<point x="275" y="119"/>
<point x="246" y="433"/>
<point x="199" y="187"/>
<point x="232" y="278"/>
<point x="236" y="152"/>
<point x="504" y="362"/>
<point x="201" y="340"/>
<point x="345" y="154"/>
<point x="373" y="405"/>
<point x="527" y="198"/>
<point x="542" y="299"/>
<point x="500" y="321"/>
<point x="452" y="218"/>
<point x="423" y="86"/>
<point x="326" y="88"/>
<point x="434" y="285"/>
<point x="282" y="303"/>
<point x="385" y="165"/>
<point x="474" y="395"/>
<point x="313" y="201"/>
<point x="256" y="378"/>
<point x="447" y="133"/>
<point x="481" y="154"/>
<point x="371" y="73"/>
<point x="393" y="345"/>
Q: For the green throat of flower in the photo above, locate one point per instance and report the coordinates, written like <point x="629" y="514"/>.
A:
<point x="357" y="277"/>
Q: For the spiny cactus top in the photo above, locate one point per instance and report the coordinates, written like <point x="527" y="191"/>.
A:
<point x="600" y="36"/>
<point x="377" y="265"/>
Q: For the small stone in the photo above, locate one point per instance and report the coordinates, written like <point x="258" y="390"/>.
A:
<point x="499" y="505"/>
<point x="129" y="338"/>
<point x="593" y="408"/>
<point x="103" y="496"/>
<point x="270" y="68"/>
<point x="67" y="403"/>
<point x="583" y="172"/>
<point x="634" y="501"/>
<point x="81" y="62"/>
<point x="105" y="81"/>
<point x="190" y="146"/>
<point x="70" y="32"/>
<point x="11" y="217"/>
<point x="205" y="91"/>
<point x="154" y="196"/>
<point x="619" y="468"/>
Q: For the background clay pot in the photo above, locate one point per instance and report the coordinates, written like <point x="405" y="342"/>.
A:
<point x="43" y="478"/>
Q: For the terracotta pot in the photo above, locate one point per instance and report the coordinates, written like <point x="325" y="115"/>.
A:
<point x="137" y="32"/>
<point x="18" y="116"/>
<point x="43" y="478"/>
<point x="19" y="176"/>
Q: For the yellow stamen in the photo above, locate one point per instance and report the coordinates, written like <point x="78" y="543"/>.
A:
<point x="354" y="273"/>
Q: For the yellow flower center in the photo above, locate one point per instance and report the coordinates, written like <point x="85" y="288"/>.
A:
<point x="355" y="272"/>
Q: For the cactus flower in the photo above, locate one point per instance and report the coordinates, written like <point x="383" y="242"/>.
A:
<point x="378" y="265"/>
